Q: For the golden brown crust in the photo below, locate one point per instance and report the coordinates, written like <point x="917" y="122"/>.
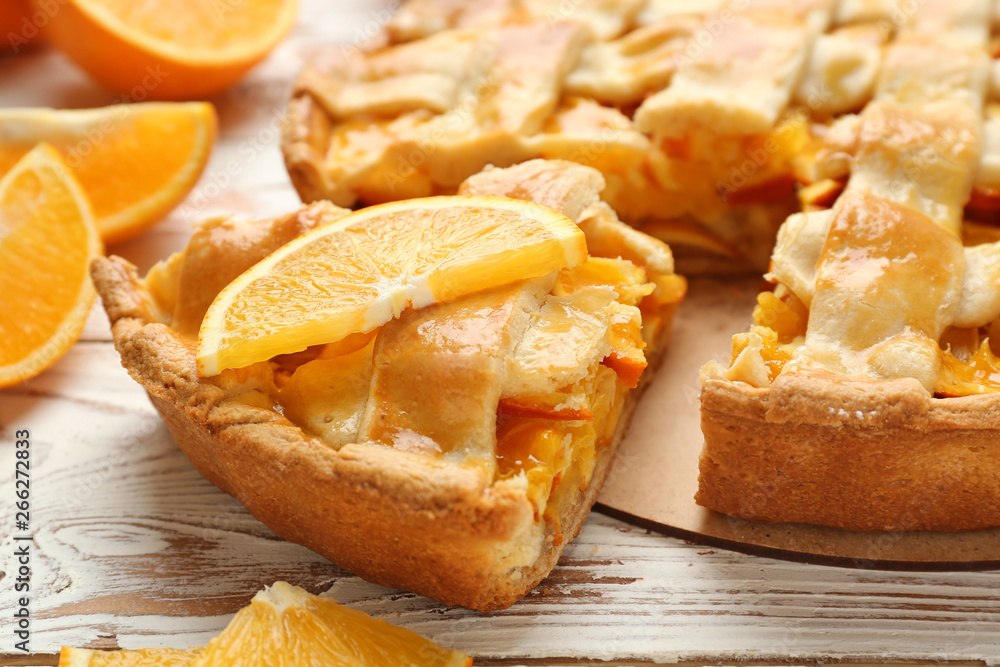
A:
<point x="505" y="83"/>
<point x="748" y="230"/>
<point x="305" y="132"/>
<point x="859" y="454"/>
<point x="395" y="518"/>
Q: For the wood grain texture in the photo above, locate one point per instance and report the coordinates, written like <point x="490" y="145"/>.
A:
<point x="133" y="548"/>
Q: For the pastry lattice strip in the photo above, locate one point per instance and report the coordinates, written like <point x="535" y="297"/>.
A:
<point x="417" y="19"/>
<point x="884" y="273"/>
<point x="919" y="63"/>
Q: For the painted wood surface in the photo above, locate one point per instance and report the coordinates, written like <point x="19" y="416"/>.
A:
<point x="133" y="548"/>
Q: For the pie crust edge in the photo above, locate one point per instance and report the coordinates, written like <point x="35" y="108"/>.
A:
<point x="852" y="453"/>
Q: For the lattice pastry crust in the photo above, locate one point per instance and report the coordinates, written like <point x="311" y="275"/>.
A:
<point x="867" y="396"/>
<point x="704" y="117"/>
<point x="529" y="375"/>
<point x="696" y="136"/>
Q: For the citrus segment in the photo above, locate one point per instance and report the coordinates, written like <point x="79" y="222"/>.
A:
<point x="147" y="657"/>
<point x="47" y="239"/>
<point x="285" y="626"/>
<point x="359" y="272"/>
<point x="169" y="49"/>
<point x="134" y="161"/>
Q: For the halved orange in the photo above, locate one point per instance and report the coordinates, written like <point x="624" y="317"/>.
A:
<point x="357" y="273"/>
<point x="169" y="49"/>
<point x="135" y="161"/>
<point x="47" y="239"/>
<point x="285" y="626"/>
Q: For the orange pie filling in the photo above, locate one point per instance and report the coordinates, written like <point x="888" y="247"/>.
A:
<point x="719" y="195"/>
<point x="679" y="190"/>
<point x="970" y="356"/>
<point x="548" y="439"/>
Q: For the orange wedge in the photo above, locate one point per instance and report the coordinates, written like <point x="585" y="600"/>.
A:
<point x="357" y="273"/>
<point x="169" y="49"/>
<point x="134" y="161"/>
<point x="147" y="657"/>
<point x="285" y="626"/>
<point x="47" y="239"/>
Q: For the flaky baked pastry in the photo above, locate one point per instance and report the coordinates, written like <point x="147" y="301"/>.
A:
<point x="867" y="394"/>
<point x="707" y="119"/>
<point x="541" y="374"/>
<point x="613" y="85"/>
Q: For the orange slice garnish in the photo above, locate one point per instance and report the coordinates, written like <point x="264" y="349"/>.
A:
<point x="146" y="657"/>
<point x="285" y="625"/>
<point x="47" y="239"/>
<point x="359" y="272"/>
<point x="134" y="161"/>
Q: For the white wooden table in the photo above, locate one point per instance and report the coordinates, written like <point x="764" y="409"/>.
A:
<point x="133" y="548"/>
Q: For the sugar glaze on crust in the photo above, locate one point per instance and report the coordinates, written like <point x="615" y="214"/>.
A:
<point x="873" y="415"/>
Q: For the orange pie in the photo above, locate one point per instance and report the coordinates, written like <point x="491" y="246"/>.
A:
<point x="450" y="445"/>
<point x="867" y="394"/>
<point x="697" y="145"/>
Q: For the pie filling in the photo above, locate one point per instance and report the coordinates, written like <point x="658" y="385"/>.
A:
<point x="970" y="357"/>
<point x="524" y="384"/>
<point x="532" y="396"/>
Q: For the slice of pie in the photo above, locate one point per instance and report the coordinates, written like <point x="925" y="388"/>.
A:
<point x="867" y="394"/>
<point x="453" y="450"/>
